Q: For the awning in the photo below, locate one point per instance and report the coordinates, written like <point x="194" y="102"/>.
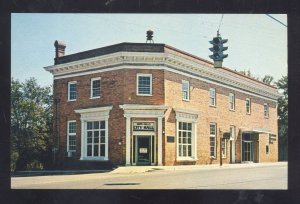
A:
<point x="256" y="130"/>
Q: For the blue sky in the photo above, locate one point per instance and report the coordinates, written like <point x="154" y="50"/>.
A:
<point x="255" y="41"/>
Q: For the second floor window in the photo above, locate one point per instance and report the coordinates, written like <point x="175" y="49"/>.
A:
<point x="231" y="101"/>
<point x="95" y="88"/>
<point x="212" y="97"/>
<point x="144" y="84"/>
<point x="266" y="110"/>
<point x="248" y="105"/>
<point x="185" y="90"/>
<point x="72" y="91"/>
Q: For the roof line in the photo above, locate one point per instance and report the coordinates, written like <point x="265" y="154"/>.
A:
<point x="211" y="63"/>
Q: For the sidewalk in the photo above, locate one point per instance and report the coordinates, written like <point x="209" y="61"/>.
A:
<point x="144" y="169"/>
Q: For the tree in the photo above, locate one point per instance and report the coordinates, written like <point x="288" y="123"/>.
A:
<point x="31" y="125"/>
<point x="268" y="79"/>
<point x="282" y="85"/>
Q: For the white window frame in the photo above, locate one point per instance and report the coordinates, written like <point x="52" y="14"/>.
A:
<point x="183" y="91"/>
<point x="224" y="154"/>
<point x="266" y="112"/>
<point x="215" y="143"/>
<point x="137" y="84"/>
<point x="71" y="134"/>
<point x="186" y="144"/>
<point x="69" y="84"/>
<point x="248" y="112"/>
<point x="212" y="97"/>
<point x="231" y="101"/>
<point x="99" y="142"/>
<point x="92" y="89"/>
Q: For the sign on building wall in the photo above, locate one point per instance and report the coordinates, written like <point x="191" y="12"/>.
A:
<point x="143" y="126"/>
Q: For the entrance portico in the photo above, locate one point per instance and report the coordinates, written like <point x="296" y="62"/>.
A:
<point x="144" y="112"/>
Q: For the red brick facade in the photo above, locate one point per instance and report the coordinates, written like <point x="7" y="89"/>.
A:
<point x="119" y="87"/>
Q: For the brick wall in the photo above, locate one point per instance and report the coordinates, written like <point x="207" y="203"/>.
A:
<point x="221" y="115"/>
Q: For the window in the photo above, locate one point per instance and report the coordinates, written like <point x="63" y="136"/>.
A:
<point x="185" y="90"/>
<point x="71" y="139"/>
<point x="95" y="88"/>
<point x="267" y="149"/>
<point x="231" y="101"/>
<point x="144" y="84"/>
<point x="96" y="139"/>
<point x="266" y="110"/>
<point x="72" y="91"/>
<point x="223" y="143"/>
<point x="185" y="139"/>
<point x="213" y="132"/>
<point x="212" y="97"/>
<point x="248" y="105"/>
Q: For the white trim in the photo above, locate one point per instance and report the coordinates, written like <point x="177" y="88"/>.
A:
<point x="202" y="70"/>
<point x="248" y="99"/>
<point x="150" y="67"/>
<point x="69" y="83"/>
<point x="188" y="91"/>
<point x="89" y="115"/>
<point x="91" y="88"/>
<point x="137" y="84"/>
<point x="68" y="133"/>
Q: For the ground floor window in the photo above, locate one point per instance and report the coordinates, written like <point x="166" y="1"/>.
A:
<point x="184" y="139"/>
<point x="71" y="137"/>
<point x="96" y="139"/>
<point x="224" y="148"/>
<point x="213" y="132"/>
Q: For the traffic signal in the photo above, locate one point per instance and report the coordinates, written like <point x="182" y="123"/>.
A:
<point x="218" y="49"/>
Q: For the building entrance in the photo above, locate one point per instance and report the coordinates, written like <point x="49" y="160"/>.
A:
<point x="247" y="148"/>
<point x="143" y="153"/>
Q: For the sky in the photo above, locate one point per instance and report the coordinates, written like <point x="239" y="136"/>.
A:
<point x="256" y="42"/>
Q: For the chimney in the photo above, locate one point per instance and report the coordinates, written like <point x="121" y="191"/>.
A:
<point x="59" y="49"/>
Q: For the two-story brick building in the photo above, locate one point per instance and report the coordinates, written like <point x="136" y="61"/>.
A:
<point x="152" y="104"/>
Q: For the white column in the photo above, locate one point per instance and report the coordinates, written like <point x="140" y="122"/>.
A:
<point x="195" y="140"/>
<point x="82" y="141"/>
<point x="128" y="125"/>
<point x="159" y="141"/>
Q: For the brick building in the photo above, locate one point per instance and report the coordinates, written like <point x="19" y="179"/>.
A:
<point x="152" y="104"/>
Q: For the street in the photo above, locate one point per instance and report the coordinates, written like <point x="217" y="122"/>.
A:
<point x="226" y="177"/>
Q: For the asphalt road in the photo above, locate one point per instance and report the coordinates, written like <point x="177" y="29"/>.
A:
<point x="262" y="177"/>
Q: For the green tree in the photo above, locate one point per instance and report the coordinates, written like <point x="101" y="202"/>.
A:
<point x="31" y="125"/>
<point x="268" y="79"/>
<point x="282" y="85"/>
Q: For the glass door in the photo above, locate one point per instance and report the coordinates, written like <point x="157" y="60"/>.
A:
<point x="247" y="148"/>
<point x="143" y="150"/>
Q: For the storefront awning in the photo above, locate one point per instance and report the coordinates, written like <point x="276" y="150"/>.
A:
<point x="256" y="130"/>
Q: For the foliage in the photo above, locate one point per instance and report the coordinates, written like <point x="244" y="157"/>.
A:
<point x="282" y="85"/>
<point x="268" y="79"/>
<point x="31" y="125"/>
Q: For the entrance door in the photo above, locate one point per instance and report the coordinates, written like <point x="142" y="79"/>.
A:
<point x="143" y="152"/>
<point x="247" y="148"/>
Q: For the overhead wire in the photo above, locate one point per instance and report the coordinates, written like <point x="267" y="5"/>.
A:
<point x="276" y="20"/>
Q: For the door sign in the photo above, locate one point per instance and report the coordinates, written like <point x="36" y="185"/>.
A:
<point x="143" y="150"/>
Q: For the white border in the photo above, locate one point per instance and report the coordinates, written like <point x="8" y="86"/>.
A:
<point x="91" y="87"/>
<point x="69" y="83"/>
<point x="137" y="84"/>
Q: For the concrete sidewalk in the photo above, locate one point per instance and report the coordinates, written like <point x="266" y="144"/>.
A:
<point x="144" y="169"/>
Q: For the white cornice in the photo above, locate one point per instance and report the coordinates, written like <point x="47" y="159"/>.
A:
<point x="142" y="107"/>
<point x="164" y="61"/>
<point x="92" y="110"/>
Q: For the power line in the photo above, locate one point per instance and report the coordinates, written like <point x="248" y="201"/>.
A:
<point x="276" y="20"/>
<point x="220" y="23"/>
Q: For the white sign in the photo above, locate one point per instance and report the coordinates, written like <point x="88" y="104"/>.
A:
<point x="143" y="126"/>
<point x="143" y="150"/>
